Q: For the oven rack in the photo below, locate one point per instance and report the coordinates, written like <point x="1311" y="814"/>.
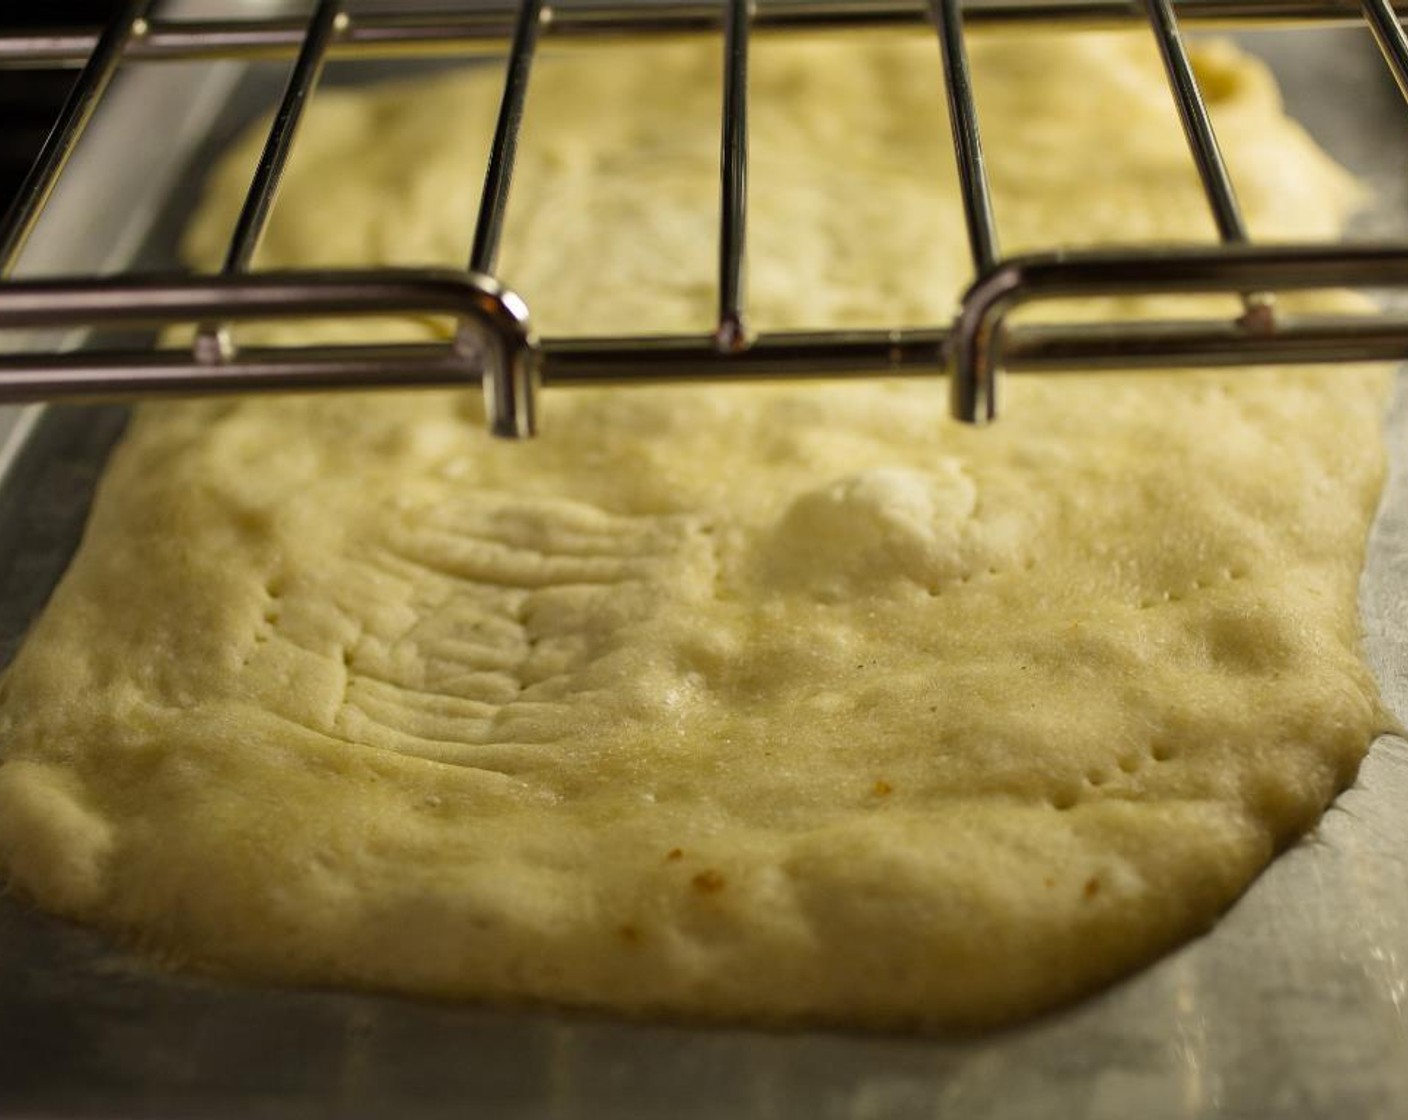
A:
<point x="494" y="344"/>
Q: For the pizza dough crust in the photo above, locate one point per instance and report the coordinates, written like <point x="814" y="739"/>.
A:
<point x="773" y="703"/>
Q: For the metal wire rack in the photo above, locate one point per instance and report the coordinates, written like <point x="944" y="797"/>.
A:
<point x="494" y="344"/>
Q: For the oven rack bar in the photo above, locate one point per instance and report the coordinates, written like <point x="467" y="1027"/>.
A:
<point x="509" y="375"/>
<point x="498" y="176"/>
<point x="1203" y="145"/>
<point x="90" y="376"/>
<point x="731" y="328"/>
<point x="118" y="375"/>
<point x="1388" y="33"/>
<point x="947" y="16"/>
<point x="278" y="146"/>
<point x="488" y="27"/>
<point x="491" y="319"/>
<point x="1197" y="125"/>
<point x="493" y="343"/>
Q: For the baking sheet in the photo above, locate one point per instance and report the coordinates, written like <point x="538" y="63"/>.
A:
<point x="1296" y="1004"/>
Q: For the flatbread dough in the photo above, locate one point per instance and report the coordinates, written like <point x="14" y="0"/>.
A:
<point x="757" y="702"/>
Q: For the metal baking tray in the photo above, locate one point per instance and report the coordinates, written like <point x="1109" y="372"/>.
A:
<point x="1294" y="1005"/>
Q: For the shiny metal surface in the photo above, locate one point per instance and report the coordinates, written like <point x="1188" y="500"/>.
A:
<point x="303" y="80"/>
<point x="498" y="176"/>
<point x="511" y="370"/>
<point x="212" y="340"/>
<point x="731" y="331"/>
<point x="1206" y="152"/>
<point x="1389" y="34"/>
<point x="512" y="363"/>
<point x="1197" y="125"/>
<point x="499" y="317"/>
<point x="967" y="138"/>
<point x="90" y="375"/>
<point x="978" y="346"/>
<point x="493" y="338"/>
<point x="392" y="32"/>
<point x="969" y="397"/>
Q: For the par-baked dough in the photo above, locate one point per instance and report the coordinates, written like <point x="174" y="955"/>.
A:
<point x="757" y="702"/>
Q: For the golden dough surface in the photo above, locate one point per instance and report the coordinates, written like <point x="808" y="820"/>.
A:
<point x="775" y="702"/>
